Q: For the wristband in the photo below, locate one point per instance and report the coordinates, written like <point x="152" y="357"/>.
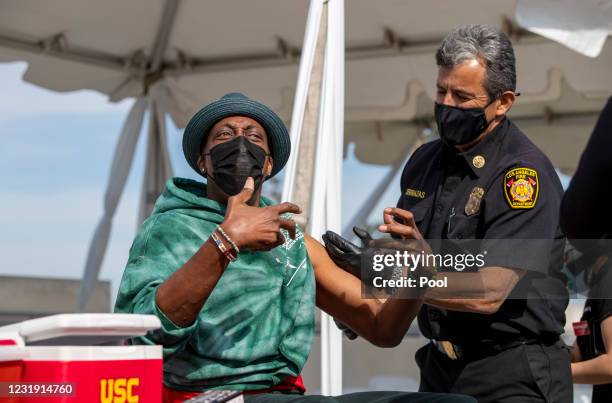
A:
<point x="228" y="239"/>
<point x="231" y="257"/>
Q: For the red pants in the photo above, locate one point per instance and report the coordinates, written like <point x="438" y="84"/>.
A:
<point x="178" y="396"/>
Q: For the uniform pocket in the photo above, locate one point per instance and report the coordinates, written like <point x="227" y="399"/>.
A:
<point x="419" y="212"/>
<point x="462" y="227"/>
<point x="537" y="365"/>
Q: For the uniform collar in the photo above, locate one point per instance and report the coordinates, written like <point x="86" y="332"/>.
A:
<point x="480" y="157"/>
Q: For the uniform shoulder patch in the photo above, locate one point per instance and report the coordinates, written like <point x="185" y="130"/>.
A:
<point x="521" y="187"/>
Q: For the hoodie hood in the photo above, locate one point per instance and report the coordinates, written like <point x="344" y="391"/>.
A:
<point x="189" y="197"/>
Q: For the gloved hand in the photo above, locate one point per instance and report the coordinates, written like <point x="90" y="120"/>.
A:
<point x="346" y="254"/>
<point x="349" y="256"/>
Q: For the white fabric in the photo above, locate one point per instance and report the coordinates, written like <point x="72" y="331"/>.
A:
<point x="326" y="204"/>
<point x="390" y="87"/>
<point x="158" y="168"/>
<point x="581" y="25"/>
<point x="301" y="94"/>
<point x="120" y="168"/>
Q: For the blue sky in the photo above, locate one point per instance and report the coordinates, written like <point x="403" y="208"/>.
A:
<point x="55" y="155"/>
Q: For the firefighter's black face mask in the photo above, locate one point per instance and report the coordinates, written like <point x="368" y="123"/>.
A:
<point x="458" y="126"/>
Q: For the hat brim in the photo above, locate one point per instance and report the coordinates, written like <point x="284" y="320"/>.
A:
<point x="200" y="124"/>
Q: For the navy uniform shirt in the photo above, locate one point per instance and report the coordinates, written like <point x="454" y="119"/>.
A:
<point x="503" y="188"/>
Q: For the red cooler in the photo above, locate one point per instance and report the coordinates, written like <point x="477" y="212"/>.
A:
<point x="80" y="358"/>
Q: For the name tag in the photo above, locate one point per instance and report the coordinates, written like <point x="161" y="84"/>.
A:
<point x="419" y="194"/>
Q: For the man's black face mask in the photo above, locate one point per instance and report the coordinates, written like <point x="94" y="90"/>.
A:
<point x="458" y="126"/>
<point x="234" y="161"/>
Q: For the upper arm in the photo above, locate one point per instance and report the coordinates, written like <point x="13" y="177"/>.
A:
<point x="606" y="333"/>
<point x="382" y="323"/>
<point x="339" y="292"/>
<point x="521" y="229"/>
<point x="500" y="281"/>
<point x="522" y="218"/>
<point x="334" y="285"/>
<point x="575" y="354"/>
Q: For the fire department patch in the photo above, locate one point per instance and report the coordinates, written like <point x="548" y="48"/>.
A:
<point x="521" y="187"/>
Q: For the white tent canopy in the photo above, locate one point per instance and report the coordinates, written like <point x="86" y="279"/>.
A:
<point x="582" y="26"/>
<point x="197" y="51"/>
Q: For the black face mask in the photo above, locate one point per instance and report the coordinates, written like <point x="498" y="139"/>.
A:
<point x="458" y="126"/>
<point x="234" y="161"/>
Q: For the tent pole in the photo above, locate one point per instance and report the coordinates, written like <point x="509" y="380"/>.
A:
<point x="336" y="47"/>
<point x="317" y="113"/>
<point x="325" y="206"/>
<point x="120" y="169"/>
<point x="158" y="168"/>
<point x="304" y="91"/>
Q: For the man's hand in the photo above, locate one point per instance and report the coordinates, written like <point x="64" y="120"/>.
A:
<point x="351" y="257"/>
<point x="347" y="256"/>
<point x="257" y="228"/>
<point x="400" y="224"/>
<point x="344" y="253"/>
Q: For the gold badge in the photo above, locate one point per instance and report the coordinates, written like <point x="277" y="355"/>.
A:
<point x="473" y="204"/>
<point x="479" y="161"/>
<point x="521" y="187"/>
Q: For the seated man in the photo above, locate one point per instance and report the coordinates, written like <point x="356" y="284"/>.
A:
<point x="232" y="278"/>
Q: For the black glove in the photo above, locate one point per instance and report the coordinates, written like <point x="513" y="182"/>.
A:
<point x="346" y="254"/>
<point x="349" y="256"/>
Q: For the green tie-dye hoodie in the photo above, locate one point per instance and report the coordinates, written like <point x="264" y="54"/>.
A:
<point x="257" y="325"/>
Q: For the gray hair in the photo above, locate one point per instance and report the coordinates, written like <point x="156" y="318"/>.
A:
<point x="483" y="43"/>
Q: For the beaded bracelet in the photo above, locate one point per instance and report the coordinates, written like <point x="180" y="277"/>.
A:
<point x="228" y="239"/>
<point x="231" y="257"/>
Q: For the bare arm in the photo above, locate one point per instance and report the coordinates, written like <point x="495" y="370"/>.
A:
<point x="339" y="294"/>
<point x="183" y="294"/>
<point x="575" y="353"/>
<point x="482" y="292"/>
<point x="597" y="371"/>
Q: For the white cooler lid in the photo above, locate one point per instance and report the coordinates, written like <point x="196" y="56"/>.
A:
<point x="83" y="328"/>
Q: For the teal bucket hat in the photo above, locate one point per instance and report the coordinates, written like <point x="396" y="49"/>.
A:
<point x="236" y="104"/>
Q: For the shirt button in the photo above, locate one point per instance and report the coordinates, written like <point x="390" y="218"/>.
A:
<point x="438" y="208"/>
